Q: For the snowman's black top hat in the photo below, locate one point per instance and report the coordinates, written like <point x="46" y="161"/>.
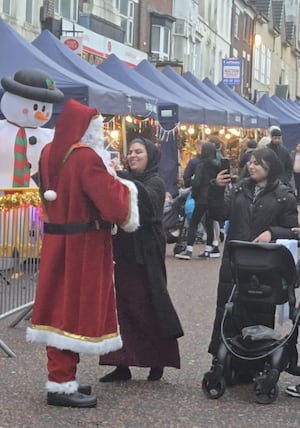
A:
<point x="33" y="84"/>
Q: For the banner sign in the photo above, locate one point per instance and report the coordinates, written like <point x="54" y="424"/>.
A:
<point x="231" y="71"/>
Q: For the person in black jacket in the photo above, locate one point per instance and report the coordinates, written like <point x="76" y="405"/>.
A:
<point x="149" y="324"/>
<point x="283" y="155"/>
<point x="260" y="208"/>
<point x="206" y="170"/>
<point x="191" y="165"/>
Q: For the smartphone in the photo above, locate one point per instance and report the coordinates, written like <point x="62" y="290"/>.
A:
<point x="225" y="164"/>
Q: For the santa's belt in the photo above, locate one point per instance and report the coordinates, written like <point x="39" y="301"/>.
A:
<point x="70" y="228"/>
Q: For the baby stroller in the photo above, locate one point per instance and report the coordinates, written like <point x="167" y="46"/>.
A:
<point x="263" y="274"/>
<point x="174" y="222"/>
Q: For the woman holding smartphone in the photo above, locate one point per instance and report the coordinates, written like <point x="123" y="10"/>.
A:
<point x="260" y="208"/>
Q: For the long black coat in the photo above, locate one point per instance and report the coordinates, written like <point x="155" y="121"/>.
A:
<point x="274" y="209"/>
<point x="148" y="247"/>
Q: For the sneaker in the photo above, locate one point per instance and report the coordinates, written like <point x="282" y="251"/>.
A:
<point x="293" y="390"/>
<point x="185" y="255"/>
<point x="204" y="255"/>
<point x="214" y="253"/>
<point x="210" y="254"/>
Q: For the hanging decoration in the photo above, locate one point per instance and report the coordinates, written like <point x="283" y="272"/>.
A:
<point x="163" y="134"/>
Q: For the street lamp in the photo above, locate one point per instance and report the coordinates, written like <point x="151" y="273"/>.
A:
<point x="257" y="40"/>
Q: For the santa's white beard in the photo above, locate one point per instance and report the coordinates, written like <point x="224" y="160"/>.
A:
<point x="95" y="139"/>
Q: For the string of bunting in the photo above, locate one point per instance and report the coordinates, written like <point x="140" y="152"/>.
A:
<point x="20" y="200"/>
<point x="164" y="134"/>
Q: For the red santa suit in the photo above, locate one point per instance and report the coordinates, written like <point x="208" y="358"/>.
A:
<point x="75" y="306"/>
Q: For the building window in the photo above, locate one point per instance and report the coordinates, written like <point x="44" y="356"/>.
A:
<point x="29" y="9"/>
<point x="126" y="9"/>
<point x="67" y="9"/>
<point x="7" y="6"/>
<point x="160" y="42"/>
<point x="247" y="28"/>
<point x="268" y="67"/>
<point x="256" y="62"/>
<point x="263" y="64"/>
<point x="236" y="25"/>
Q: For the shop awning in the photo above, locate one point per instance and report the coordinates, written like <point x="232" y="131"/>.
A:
<point x="263" y="120"/>
<point x="17" y="54"/>
<point x="288" y="122"/>
<point x="47" y="43"/>
<point x="234" y="117"/>
<point x="212" y="115"/>
<point x="187" y="112"/>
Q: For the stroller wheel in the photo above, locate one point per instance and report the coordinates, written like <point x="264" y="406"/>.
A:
<point x="229" y="372"/>
<point x="265" y="398"/>
<point x="213" y="389"/>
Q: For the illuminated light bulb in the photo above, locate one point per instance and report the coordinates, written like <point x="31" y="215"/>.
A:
<point x="221" y="132"/>
<point x="114" y="134"/>
<point x="227" y="136"/>
<point x="191" y="130"/>
<point x="207" y="131"/>
<point x="128" y="119"/>
<point x="183" y="128"/>
<point x="257" y="40"/>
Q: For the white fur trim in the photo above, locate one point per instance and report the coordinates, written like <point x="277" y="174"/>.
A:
<point x="133" y="221"/>
<point x="60" y="341"/>
<point x="62" y="388"/>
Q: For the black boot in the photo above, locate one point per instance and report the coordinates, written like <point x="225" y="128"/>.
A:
<point x="155" y="373"/>
<point x="71" y="400"/>
<point x="85" y="388"/>
<point x="121" y="373"/>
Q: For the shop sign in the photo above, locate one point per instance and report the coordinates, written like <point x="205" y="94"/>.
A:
<point x="231" y="71"/>
<point x="73" y="43"/>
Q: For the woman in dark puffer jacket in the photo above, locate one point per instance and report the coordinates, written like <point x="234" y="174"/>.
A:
<point x="259" y="209"/>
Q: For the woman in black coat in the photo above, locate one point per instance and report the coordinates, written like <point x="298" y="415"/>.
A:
<point x="149" y="324"/>
<point x="259" y="209"/>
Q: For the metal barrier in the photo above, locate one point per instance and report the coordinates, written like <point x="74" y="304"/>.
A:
<point x="20" y="244"/>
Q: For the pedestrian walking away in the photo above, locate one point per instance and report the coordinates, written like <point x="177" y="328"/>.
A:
<point x="149" y="324"/>
<point x="75" y="308"/>
<point x="206" y="170"/>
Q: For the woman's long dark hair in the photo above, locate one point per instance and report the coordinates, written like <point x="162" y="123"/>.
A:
<point x="208" y="151"/>
<point x="267" y="157"/>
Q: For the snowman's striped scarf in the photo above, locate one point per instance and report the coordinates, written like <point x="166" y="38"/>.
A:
<point x="21" y="176"/>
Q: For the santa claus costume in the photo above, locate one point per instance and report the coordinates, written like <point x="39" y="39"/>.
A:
<point x="75" y="308"/>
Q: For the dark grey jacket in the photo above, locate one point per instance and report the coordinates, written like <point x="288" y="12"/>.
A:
<point x="274" y="209"/>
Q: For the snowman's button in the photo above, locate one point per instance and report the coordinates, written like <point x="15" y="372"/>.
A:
<point x="32" y="140"/>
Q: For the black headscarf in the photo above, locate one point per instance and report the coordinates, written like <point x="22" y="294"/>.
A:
<point x="153" y="160"/>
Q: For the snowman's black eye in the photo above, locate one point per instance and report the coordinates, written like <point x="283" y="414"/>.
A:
<point x="35" y="107"/>
<point x="43" y="108"/>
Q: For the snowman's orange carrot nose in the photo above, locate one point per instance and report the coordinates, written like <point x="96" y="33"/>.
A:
<point x="40" y="116"/>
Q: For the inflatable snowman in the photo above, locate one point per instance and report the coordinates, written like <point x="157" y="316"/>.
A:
<point x="27" y="105"/>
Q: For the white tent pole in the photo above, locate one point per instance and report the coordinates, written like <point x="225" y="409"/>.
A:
<point x="124" y="138"/>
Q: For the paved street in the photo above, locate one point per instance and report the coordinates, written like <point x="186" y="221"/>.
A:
<point x="175" y="402"/>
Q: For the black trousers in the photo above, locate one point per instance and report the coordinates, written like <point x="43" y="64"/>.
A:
<point x="199" y="211"/>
